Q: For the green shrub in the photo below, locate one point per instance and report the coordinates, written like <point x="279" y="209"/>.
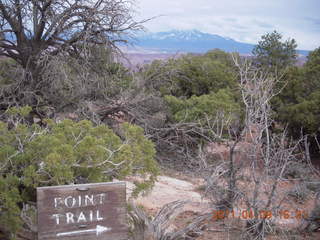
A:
<point x="199" y="75"/>
<point x="191" y="74"/>
<point x="298" y="105"/>
<point x="204" y="107"/>
<point x="64" y="153"/>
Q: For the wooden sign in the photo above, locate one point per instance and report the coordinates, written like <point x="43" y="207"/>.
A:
<point x="87" y="211"/>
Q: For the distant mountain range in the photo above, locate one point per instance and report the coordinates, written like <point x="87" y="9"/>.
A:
<point x="192" y="41"/>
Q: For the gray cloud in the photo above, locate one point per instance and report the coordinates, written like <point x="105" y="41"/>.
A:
<point x="232" y="20"/>
<point x="263" y="24"/>
<point x="315" y="23"/>
<point x="243" y="20"/>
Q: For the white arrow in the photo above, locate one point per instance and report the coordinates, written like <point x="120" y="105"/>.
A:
<point x="99" y="229"/>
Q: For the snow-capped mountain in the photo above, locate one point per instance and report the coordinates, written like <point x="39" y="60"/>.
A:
<point x="179" y="35"/>
<point x="190" y="41"/>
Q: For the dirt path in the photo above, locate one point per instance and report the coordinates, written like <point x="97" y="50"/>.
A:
<point x="169" y="189"/>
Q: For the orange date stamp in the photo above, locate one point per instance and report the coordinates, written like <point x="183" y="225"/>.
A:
<point x="247" y="214"/>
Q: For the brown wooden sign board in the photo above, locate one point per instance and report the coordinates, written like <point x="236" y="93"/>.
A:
<point x="86" y="211"/>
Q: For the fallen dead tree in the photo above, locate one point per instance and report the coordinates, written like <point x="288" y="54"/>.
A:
<point x="160" y="227"/>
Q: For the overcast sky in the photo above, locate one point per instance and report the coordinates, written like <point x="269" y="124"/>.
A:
<point x="242" y="20"/>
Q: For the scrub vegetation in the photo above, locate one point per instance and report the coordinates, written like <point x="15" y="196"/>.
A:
<point x="72" y="113"/>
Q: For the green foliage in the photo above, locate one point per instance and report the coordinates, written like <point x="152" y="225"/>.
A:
<point x="206" y="106"/>
<point x="223" y="57"/>
<point x="19" y="112"/>
<point x="65" y="153"/>
<point x="299" y="102"/>
<point x="9" y="199"/>
<point x="157" y="76"/>
<point x="198" y="75"/>
<point x="273" y="54"/>
<point x="191" y="75"/>
<point x="200" y="90"/>
<point x="314" y="59"/>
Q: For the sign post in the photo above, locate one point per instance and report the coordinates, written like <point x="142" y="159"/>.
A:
<point x="88" y="211"/>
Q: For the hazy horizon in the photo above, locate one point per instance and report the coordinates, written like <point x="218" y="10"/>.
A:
<point x="244" y="21"/>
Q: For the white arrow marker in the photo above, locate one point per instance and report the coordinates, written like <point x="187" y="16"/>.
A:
<point x="99" y="229"/>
